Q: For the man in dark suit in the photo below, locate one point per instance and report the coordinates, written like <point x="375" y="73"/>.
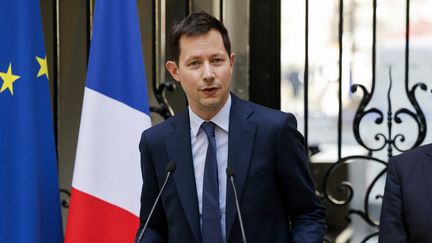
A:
<point x="406" y="214"/>
<point x="219" y="130"/>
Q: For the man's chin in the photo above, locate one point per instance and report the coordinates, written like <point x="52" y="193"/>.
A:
<point x="212" y="102"/>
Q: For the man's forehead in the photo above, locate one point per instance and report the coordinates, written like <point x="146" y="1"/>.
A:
<point x="205" y="44"/>
<point x="212" y="33"/>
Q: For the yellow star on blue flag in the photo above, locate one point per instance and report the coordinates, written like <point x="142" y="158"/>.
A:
<point x="43" y="66"/>
<point x="8" y="79"/>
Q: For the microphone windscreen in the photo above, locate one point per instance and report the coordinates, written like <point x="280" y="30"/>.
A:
<point x="230" y="171"/>
<point x="171" y="167"/>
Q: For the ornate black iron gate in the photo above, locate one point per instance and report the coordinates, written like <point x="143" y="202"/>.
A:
<point x="389" y="141"/>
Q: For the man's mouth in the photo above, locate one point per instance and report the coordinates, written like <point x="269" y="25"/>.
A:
<point x="209" y="90"/>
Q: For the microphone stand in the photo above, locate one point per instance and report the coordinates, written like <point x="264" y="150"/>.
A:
<point x="231" y="174"/>
<point x="170" y="170"/>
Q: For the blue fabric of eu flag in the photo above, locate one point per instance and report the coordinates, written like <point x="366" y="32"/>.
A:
<point x="29" y="195"/>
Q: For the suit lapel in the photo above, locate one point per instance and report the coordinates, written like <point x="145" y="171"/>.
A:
<point x="179" y="151"/>
<point x="240" y="145"/>
<point x="427" y="171"/>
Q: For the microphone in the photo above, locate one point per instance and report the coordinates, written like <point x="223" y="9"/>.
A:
<point x="230" y="173"/>
<point x="170" y="170"/>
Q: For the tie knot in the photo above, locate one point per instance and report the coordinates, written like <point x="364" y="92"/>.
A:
<point x="208" y="128"/>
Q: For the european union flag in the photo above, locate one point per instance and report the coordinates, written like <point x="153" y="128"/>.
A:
<point x="29" y="196"/>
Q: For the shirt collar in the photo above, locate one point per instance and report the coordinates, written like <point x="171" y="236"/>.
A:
<point x="221" y="119"/>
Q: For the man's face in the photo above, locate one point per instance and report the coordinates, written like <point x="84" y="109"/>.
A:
<point x="204" y="71"/>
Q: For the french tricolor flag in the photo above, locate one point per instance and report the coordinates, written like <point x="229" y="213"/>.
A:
<point x="106" y="187"/>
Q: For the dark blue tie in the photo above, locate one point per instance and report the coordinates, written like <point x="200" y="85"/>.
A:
<point x="211" y="216"/>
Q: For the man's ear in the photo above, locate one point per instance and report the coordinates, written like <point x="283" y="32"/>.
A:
<point x="172" y="69"/>
<point x="232" y="58"/>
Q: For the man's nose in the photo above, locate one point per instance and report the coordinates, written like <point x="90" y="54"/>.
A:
<point x="208" y="72"/>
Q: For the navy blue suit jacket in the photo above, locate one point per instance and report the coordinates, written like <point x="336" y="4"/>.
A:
<point x="406" y="214"/>
<point x="276" y="192"/>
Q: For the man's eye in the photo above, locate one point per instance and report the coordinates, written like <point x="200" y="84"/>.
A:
<point x="194" y="63"/>
<point x="218" y="60"/>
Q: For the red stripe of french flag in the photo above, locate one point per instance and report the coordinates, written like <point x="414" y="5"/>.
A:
<point x="94" y="216"/>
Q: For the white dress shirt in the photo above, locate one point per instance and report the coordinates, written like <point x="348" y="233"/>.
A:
<point x="199" y="144"/>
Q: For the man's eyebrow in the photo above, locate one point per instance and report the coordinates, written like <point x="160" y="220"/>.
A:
<point x="218" y="54"/>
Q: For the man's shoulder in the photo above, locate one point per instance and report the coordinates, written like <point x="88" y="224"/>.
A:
<point x="165" y="126"/>
<point x="413" y="156"/>
<point x="265" y="113"/>
<point x="418" y="151"/>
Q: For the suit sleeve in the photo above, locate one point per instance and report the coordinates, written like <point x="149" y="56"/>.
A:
<point x="392" y="229"/>
<point x="306" y="213"/>
<point x="157" y="228"/>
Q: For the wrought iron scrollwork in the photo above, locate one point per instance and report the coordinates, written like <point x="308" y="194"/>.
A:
<point x="347" y="190"/>
<point x="365" y="215"/>
<point x="362" y="112"/>
<point x="65" y="198"/>
<point x="164" y="109"/>
<point x="375" y="234"/>
<point x="389" y="140"/>
<point x="418" y="116"/>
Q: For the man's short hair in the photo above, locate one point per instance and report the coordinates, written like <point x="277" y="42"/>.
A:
<point x="195" y="24"/>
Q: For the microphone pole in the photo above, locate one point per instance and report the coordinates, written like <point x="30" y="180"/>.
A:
<point x="230" y="173"/>
<point x="170" y="170"/>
